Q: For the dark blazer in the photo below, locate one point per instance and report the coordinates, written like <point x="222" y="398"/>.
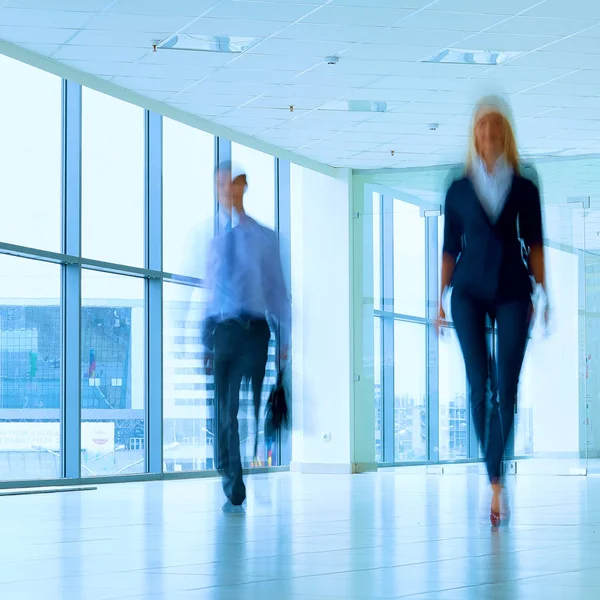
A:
<point x="492" y="257"/>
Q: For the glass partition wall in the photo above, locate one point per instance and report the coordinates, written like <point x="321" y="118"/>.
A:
<point x="421" y="393"/>
<point x="102" y="259"/>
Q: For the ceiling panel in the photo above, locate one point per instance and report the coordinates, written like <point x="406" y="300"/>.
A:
<point x="551" y="58"/>
<point x="132" y="23"/>
<point x="332" y="32"/>
<point x="389" y="52"/>
<point x="150" y="83"/>
<point x="347" y="15"/>
<point x="166" y="71"/>
<point x="259" y="11"/>
<point x="73" y="52"/>
<point x="510" y="72"/>
<point x="36" y="35"/>
<point x="125" y="39"/>
<point x="300" y="104"/>
<point x="344" y="80"/>
<point x="43" y="18"/>
<point x="582" y="9"/>
<point x="360" y="67"/>
<point x="254" y="76"/>
<point x="186" y="59"/>
<point x="230" y="27"/>
<point x="506" y="7"/>
<point x="43" y="49"/>
<point x="541" y="26"/>
<point x="414" y="4"/>
<point x="427" y="19"/>
<point x="185" y="8"/>
<point x="276" y="63"/>
<point x="101" y="67"/>
<point x="575" y="45"/>
<point x="281" y="47"/>
<point x="407" y="36"/>
<point x="75" y="5"/>
<point x="509" y="42"/>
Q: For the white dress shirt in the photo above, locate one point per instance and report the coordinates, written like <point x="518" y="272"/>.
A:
<point x="492" y="188"/>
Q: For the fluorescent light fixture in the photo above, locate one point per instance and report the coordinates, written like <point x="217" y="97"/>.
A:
<point x="208" y="43"/>
<point x="356" y="106"/>
<point x="455" y="56"/>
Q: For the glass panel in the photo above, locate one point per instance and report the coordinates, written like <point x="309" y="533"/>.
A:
<point x="454" y="417"/>
<point x="377" y="251"/>
<point x="113" y="387"/>
<point x="30" y="369"/>
<point x="409" y="260"/>
<point x="112" y="170"/>
<point x="31" y="156"/>
<point x="259" y="201"/>
<point x="552" y="422"/>
<point x="410" y="392"/>
<point x="592" y="289"/>
<point x="377" y="382"/>
<point x="550" y="406"/>
<point x="188" y="197"/>
<point x="188" y="410"/>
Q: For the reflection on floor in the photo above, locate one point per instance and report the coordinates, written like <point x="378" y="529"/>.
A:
<point x="386" y="535"/>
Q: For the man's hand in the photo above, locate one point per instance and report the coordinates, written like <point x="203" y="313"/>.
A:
<point x="207" y="360"/>
<point x="284" y="352"/>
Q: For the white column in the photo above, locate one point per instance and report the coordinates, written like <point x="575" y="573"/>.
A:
<point x="323" y="438"/>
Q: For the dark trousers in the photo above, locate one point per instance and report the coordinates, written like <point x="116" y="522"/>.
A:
<point x="493" y="384"/>
<point x="241" y="349"/>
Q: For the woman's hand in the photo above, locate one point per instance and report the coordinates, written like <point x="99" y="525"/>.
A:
<point x="441" y="321"/>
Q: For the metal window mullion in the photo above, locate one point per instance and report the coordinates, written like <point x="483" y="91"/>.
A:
<point x="222" y="155"/>
<point x="283" y="223"/>
<point x="71" y="282"/>
<point x="154" y="294"/>
<point x="387" y="330"/>
<point x="432" y="345"/>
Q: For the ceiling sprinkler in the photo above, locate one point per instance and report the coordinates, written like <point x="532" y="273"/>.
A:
<point x="332" y="60"/>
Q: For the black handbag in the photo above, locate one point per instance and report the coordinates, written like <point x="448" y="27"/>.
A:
<point x="276" y="410"/>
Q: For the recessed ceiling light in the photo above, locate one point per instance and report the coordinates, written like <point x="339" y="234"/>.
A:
<point x="472" y="57"/>
<point x="208" y="43"/>
<point x="356" y="106"/>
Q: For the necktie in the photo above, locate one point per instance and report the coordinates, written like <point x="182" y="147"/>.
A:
<point x="229" y="250"/>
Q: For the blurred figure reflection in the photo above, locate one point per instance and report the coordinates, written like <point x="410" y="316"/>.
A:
<point x="493" y="259"/>
<point x="247" y="294"/>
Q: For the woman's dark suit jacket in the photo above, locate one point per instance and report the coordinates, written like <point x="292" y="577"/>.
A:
<point x="492" y="257"/>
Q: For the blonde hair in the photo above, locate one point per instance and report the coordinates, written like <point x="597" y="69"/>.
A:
<point x="497" y="106"/>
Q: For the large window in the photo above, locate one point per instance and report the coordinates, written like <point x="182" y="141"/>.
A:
<point x="112" y="180"/>
<point x="30" y="369"/>
<point x="188" y="198"/>
<point x="410" y="392"/>
<point x="109" y="210"/>
<point x="30" y="156"/>
<point x="112" y="374"/>
<point x="453" y="406"/>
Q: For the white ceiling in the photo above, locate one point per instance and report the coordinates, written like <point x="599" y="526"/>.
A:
<point x="554" y="86"/>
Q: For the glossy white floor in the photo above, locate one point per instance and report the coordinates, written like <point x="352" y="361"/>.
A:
<point x="385" y="535"/>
